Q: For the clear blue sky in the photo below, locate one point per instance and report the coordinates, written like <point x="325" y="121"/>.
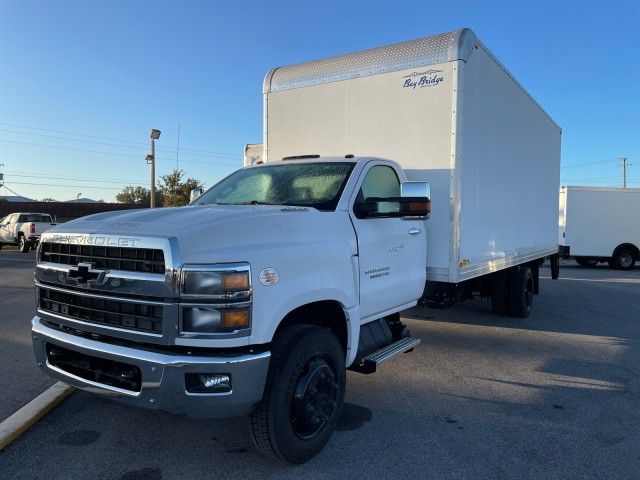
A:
<point x="73" y="71"/>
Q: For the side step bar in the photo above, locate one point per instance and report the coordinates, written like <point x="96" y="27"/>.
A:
<point x="371" y="361"/>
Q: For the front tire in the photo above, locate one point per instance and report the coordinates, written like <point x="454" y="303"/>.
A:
<point x="23" y="244"/>
<point x="303" y="394"/>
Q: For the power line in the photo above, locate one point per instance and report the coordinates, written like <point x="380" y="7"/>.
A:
<point x="63" y="185"/>
<point x="85" y="179"/>
<point x="131" y="142"/>
<point x="590" y="163"/>
<point x="108" y="153"/>
<point x="67" y="177"/>
<point x="13" y="191"/>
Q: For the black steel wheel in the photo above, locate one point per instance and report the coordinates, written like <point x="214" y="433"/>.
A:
<point x="303" y="394"/>
<point x="624" y="259"/>
<point x="315" y="397"/>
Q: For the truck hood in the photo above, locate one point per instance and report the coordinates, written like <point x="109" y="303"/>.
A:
<point x="211" y="233"/>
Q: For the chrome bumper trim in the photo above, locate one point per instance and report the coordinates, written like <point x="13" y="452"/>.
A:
<point x="162" y="375"/>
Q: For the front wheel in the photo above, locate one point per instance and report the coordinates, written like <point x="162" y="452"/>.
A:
<point x="303" y="394"/>
<point x="23" y="244"/>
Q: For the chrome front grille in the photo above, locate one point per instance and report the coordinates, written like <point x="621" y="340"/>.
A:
<point x="148" y="260"/>
<point x="129" y="314"/>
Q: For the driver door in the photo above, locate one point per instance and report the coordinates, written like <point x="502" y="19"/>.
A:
<point x="392" y="251"/>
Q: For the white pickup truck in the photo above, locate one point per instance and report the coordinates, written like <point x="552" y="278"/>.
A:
<point x="256" y="298"/>
<point x="24" y="229"/>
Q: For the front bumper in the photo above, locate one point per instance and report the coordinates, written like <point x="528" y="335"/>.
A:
<point x="162" y="385"/>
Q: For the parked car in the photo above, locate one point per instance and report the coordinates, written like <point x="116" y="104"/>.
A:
<point x="24" y="229"/>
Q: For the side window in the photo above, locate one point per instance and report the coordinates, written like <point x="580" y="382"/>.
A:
<point x="380" y="181"/>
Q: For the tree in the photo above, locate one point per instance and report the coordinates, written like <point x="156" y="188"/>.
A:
<point x="176" y="191"/>
<point x="138" y="195"/>
<point x="48" y="199"/>
<point x="172" y="191"/>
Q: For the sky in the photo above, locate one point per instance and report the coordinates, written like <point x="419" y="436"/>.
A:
<point x="82" y="82"/>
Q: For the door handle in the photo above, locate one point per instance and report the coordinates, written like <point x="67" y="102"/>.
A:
<point x="414" y="231"/>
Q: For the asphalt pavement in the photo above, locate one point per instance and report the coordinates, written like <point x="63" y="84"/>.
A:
<point x="553" y="396"/>
<point x="21" y="379"/>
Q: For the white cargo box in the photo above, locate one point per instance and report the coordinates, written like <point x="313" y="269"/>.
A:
<point x="448" y="112"/>
<point x="595" y="221"/>
<point x="252" y="154"/>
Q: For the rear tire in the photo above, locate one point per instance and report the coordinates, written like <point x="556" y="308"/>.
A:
<point x="521" y="292"/>
<point x="499" y="301"/>
<point x="586" y="262"/>
<point x="303" y="394"/>
<point x="624" y="259"/>
<point x="23" y="244"/>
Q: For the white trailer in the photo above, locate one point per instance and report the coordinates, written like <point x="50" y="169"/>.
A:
<point x="600" y="224"/>
<point x="451" y="114"/>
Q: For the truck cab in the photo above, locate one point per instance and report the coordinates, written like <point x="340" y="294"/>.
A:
<point x="304" y="262"/>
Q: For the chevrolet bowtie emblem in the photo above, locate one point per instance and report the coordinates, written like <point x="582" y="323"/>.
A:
<point x="84" y="273"/>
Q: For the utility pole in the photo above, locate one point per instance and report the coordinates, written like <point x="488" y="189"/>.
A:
<point x="624" y="171"/>
<point x="154" y="134"/>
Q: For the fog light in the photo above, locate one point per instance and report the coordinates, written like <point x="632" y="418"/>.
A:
<point x="208" y="382"/>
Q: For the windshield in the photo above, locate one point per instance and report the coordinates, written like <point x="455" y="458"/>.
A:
<point x="35" y="218"/>
<point x="317" y="185"/>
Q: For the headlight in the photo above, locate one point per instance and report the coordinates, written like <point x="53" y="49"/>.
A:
<point x="205" y="319"/>
<point x="225" y="281"/>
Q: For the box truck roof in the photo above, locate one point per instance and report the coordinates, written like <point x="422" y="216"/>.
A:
<point x="418" y="53"/>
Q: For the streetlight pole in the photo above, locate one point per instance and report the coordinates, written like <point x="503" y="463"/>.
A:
<point x="154" y="134"/>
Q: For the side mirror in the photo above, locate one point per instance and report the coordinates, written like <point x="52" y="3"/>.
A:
<point x="414" y="203"/>
<point x="418" y="194"/>
<point x="195" y="193"/>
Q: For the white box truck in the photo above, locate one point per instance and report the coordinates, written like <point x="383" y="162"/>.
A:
<point x="257" y="297"/>
<point x="600" y="224"/>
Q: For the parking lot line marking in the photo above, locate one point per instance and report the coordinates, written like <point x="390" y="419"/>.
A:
<point x="27" y="416"/>
<point x="600" y="280"/>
